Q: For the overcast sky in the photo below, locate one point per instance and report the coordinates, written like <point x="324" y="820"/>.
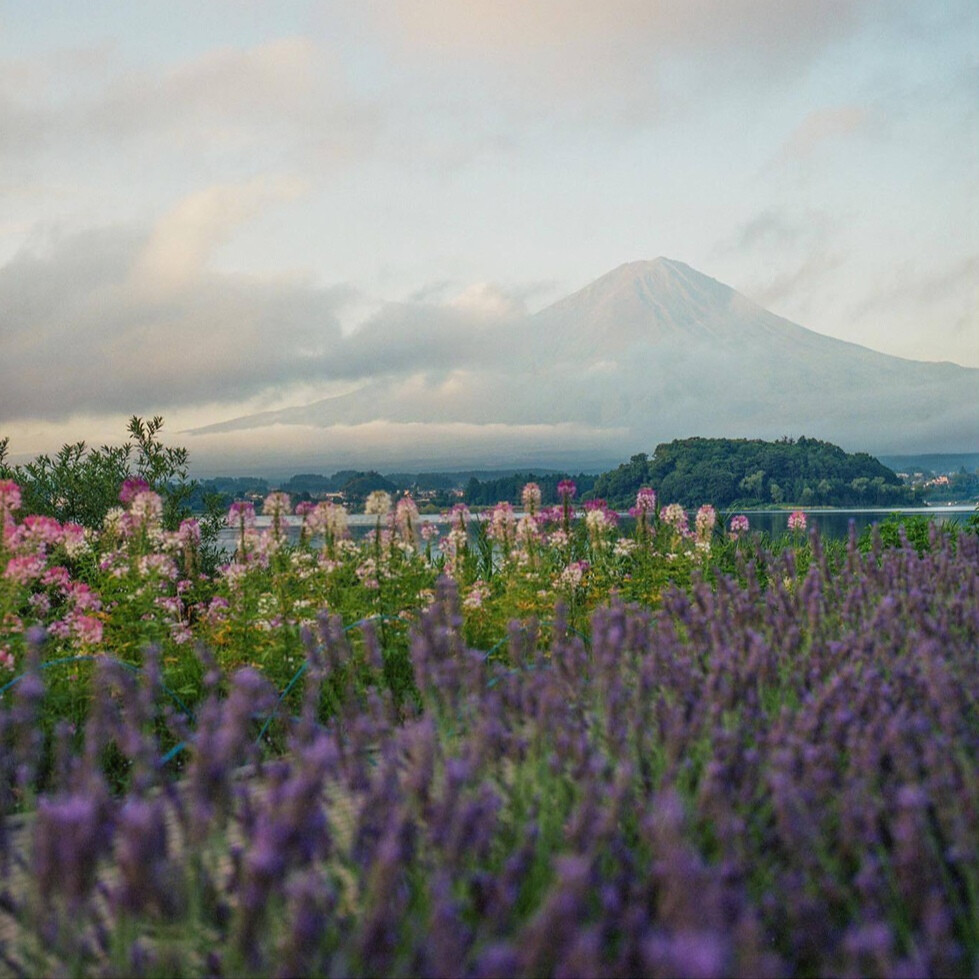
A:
<point x="201" y="202"/>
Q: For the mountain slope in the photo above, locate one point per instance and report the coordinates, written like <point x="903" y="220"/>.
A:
<point x="653" y="351"/>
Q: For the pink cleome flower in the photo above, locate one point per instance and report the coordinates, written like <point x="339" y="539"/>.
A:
<point x="502" y="523"/>
<point x="24" y="569"/>
<point x="738" y="526"/>
<point x="609" y="518"/>
<point x="9" y="497"/>
<point x="83" y="598"/>
<point x="241" y="514"/>
<point x="87" y="628"/>
<point x="406" y="517"/>
<point x="277" y="505"/>
<point x="705" y="520"/>
<point x="675" y="516"/>
<point x="59" y="577"/>
<point x="645" y="502"/>
<point x="73" y="538"/>
<point x="189" y="533"/>
<point x="797" y="520"/>
<point x="131" y="488"/>
<point x="146" y="510"/>
<point x="567" y="489"/>
<point x="530" y="497"/>
<point x="41" y="530"/>
<point x="459" y="516"/>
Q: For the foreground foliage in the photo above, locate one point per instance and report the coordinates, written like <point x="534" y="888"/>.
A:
<point x="774" y="772"/>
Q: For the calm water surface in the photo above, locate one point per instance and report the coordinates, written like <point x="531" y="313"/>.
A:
<point x="831" y="523"/>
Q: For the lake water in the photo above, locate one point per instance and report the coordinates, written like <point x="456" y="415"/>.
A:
<point x="836" y="523"/>
<point x="831" y="523"/>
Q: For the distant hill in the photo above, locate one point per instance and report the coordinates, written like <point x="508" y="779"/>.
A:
<point x="649" y="352"/>
<point x="745" y="473"/>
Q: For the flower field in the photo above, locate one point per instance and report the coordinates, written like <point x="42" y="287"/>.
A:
<point x="518" y="744"/>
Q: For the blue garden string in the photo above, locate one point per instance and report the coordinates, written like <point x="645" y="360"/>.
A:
<point x="101" y="659"/>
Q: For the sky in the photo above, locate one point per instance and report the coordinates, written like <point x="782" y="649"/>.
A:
<point x="205" y="206"/>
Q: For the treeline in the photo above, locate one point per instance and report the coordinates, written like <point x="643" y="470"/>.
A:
<point x="726" y="472"/>
<point x="353" y="483"/>
<point x="752" y="472"/>
<point x="486" y="492"/>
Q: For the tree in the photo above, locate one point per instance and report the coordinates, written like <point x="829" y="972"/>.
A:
<point x="81" y="485"/>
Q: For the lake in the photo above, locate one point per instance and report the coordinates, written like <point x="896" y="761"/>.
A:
<point x="831" y="523"/>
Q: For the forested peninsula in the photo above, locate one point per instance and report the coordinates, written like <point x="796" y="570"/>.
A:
<point x="747" y="473"/>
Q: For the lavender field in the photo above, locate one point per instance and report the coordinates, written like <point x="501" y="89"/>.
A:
<point x="538" y="749"/>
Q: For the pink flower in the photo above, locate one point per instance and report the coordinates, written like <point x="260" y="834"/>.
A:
<point x="738" y="526"/>
<point x="609" y="518"/>
<point x="378" y="503"/>
<point x="797" y="520"/>
<point x="705" y="520"/>
<point x="146" y="510"/>
<point x="25" y="569"/>
<point x="527" y="529"/>
<point x="40" y="602"/>
<point x="241" y="514"/>
<point x="73" y="538"/>
<point x="189" y="532"/>
<point x="574" y="574"/>
<point x="59" y="577"/>
<point x="334" y="517"/>
<point x="6" y="658"/>
<point x="459" y="515"/>
<point x="406" y="518"/>
<point x="41" y="530"/>
<point x="502" y="523"/>
<point x="131" y="488"/>
<point x="83" y="598"/>
<point x="530" y="498"/>
<point x="87" y="628"/>
<point x="676" y="517"/>
<point x="9" y="497"/>
<point x="566" y="489"/>
<point x="480" y="592"/>
<point x="645" y="502"/>
<point x="59" y="629"/>
<point x="157" y="565"/>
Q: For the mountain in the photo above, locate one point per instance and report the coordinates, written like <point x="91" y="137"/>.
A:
<point x="649" y="352"/>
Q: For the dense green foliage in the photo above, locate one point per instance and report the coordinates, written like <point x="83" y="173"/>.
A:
<point x="752" y="472"/>
<point x="490" y="491"/>
<point x="81" y="484"/>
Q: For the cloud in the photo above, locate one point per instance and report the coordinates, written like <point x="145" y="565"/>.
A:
<point x="138" y="320"/>
<point x="386" y="443"/>
<point x="282" y="100"/>
<point x="87" y="329"/>
<point x="772" y="229"/>
<point x="511" y="30"/>
<point x="567" y="54"/>
<point x="183" y="241"/>
<point x="918" y="295"/>
<point x="795" y="284"/>
<point x="821" y="126"/>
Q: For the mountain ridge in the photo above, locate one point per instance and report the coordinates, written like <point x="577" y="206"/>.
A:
<point x="650" y="351"/>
